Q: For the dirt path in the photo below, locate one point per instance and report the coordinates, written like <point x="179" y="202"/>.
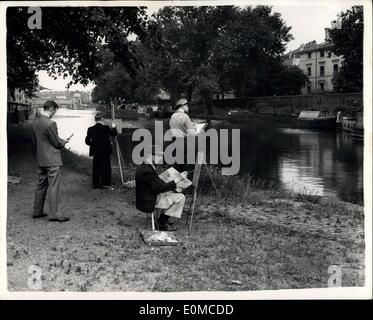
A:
<point x="277" y="245"/>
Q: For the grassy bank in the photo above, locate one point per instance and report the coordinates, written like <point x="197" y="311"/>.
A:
<point x="252" y="236"/>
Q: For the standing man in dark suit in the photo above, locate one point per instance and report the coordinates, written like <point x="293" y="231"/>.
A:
<point x="48" y="145"/>
<point x="98" y="139"/>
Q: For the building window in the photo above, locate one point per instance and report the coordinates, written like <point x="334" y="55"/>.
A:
<point x="322" y="86"/>
<point x="329" y="54"/>
<point x="309" y="55"/>
<point x="309" y="71"/>
<point x="322" y="53"/>
<point x="322" y="70"/>
<point x="335" y="68"/>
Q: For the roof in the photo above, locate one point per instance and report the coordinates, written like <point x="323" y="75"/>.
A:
<point x="311" y="47"/>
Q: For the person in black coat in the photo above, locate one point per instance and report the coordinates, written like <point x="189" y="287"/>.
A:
<point x="148" y="188"/>
<point x="98" y="139"/>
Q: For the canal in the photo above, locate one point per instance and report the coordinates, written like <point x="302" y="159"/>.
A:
<point x="312" y="162"/>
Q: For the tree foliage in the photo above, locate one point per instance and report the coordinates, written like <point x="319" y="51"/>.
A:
<point x="187" y="36"/>
<point x="348" y="42"/>
<point x="113" y="83"/>
<point x="67" y="43"/>
<point x="116" y="84"/>
<point x="201" y="50"/>
<point x="250" y="48"/>
<point x="189" y="51"/>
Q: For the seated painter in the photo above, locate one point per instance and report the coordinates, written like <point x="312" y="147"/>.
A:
<point x="152" y="192"/>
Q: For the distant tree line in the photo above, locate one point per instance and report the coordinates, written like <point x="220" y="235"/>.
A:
<point x="198" y="51"/>
<point x="186" y="51"/>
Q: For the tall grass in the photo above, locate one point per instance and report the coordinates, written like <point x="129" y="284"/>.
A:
<point x="245" y="189"/>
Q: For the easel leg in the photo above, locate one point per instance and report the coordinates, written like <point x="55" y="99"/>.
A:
<point x="153" y="224"/>
<point x="193" y="203"/>
<point x="119" y="161"/>
<point x="119" y="153"/>
<point x="190" y="210"/>
<point x="212" y="179"/>
<point x="192" y="207"/>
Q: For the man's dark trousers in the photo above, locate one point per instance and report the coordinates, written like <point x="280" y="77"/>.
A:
<point x="98" y="139"/>
<point x="101" y="170"/>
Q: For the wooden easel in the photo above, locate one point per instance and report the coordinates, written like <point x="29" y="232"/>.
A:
<point x="119" y="152"/>
<point x="197" y="172"/>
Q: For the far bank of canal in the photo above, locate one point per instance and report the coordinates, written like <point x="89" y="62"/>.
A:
<point x="306" y="161"/>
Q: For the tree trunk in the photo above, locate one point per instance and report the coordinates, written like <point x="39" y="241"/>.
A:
<point x="190" y="93"/>
<point x="189" y="96"/>
<point x="208" y="104"/>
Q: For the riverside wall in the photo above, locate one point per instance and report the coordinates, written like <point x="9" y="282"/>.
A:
<point x="293" y="104"/>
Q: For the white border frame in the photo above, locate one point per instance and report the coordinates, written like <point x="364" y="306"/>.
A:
<point x="323" y="293"/>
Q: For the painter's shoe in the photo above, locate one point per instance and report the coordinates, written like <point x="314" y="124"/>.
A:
<point x="108" y="188"/>
<point x="40" y="216"/>
<point x="59" y="219"/>
<point x="166" y="227"/>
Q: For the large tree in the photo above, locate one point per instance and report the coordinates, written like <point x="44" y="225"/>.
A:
<point x="115" y="84"/>
<point x="348" y="42"/>
<point x="67" y="42"/>
<point x="209" y="49"/>
<point x="250" y="48"/>
<point x="283" y="80"/>
<point x="187" y="37"/>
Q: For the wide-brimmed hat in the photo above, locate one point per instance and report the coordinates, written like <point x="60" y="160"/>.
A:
<point x="181" y="102"/>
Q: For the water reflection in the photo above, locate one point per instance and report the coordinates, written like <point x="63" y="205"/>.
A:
<point x="328" y="164"/>
<point x="75" y="122"/>
<point x="323" y="163"/>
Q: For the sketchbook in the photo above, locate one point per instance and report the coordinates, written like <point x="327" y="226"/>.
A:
<point x="172" y="174"/>
<point x="200" y="126"/>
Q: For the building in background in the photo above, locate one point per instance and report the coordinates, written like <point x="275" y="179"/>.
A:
<point x="225" y="95"/>
<point x="18" y="106"/>
<point x="318" y="62"/>
<point x="65" y="99"/>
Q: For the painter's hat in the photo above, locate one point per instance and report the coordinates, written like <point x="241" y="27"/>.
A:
<point x="181" y="102"/>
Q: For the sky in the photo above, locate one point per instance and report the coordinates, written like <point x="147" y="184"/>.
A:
<point x="306" y="18"/>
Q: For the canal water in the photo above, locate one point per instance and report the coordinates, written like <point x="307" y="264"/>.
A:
<point x="312" y="162"/>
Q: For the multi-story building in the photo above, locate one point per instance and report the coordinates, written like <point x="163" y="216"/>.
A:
<point x="65" y="99"/>
<point x="318" y="62"/>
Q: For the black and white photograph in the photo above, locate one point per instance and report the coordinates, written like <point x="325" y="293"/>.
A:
<point x="187" y="147"/>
